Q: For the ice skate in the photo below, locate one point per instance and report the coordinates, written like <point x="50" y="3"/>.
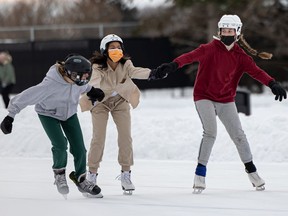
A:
<point x="92" y="178"/>
<point x="256" y="181"/>
<point x="61" y="182"/>
<point x="199" y="184"/>
<point x="199" y="179"/>
<point x="85" y="186"/>
<point x="126" y="183"/>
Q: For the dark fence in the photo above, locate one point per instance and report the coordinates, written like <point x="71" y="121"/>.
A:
<point x="33" y="59"/>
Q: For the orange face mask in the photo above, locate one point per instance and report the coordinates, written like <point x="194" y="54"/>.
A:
<point x="115" y="54"/>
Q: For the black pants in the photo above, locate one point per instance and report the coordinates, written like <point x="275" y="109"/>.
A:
<point x="6" y="92"/>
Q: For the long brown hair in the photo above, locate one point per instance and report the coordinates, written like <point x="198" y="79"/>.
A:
<point x="243" y="43"/>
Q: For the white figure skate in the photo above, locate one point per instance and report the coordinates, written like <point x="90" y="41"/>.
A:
<point x="199" y="184"/>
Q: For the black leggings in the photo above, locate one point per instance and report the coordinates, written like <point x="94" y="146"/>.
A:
<point x="5" y="93"/>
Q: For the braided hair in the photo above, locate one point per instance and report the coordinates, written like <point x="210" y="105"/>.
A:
<point x="243" y="43"/>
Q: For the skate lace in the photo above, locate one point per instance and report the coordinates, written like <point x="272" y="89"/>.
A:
<point x="92" y="177"/>
<point x="87" y="185"/>
<point x="125" y="176"/>
<point x="199" y="182"/>
<point x="60" y="180"/>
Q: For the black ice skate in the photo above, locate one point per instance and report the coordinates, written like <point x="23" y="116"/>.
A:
<point x="92" y="178"/>
<point x="84" y="186"/>
<point x="61" y="182"/>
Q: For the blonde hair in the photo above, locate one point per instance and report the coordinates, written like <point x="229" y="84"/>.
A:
<point x="60" y="67"/>
<point x="243" y="43"/>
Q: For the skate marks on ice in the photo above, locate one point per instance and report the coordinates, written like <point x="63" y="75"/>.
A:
<point x="164" y="190"/>
<point x="159" y="200"/>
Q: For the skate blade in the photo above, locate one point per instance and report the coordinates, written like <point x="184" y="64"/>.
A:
<point x="65" y="196"/>
<point x="87" y="195"/>
<point x="128" y="192"/>
<point x="198" y="190"/>
<point x="260" y="188"/>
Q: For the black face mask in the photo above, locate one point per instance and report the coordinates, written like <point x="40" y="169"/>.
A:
<point x="227" y="40"/>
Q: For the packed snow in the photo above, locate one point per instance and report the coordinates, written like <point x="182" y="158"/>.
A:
<point x="166" y="136"/>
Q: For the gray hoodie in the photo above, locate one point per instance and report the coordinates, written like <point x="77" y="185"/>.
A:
<point x="52" y="97"/>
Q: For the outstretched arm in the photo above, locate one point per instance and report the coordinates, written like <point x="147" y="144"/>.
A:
<point x="163" y="70"/>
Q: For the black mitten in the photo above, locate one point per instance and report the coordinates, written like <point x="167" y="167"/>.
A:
<point x="156" y="74"/>
<point x="168" y="67"/>
<point x="162" y="71"/>
<point x="277" y="90"/>
<point x="95" y="94"/>
<point x="6" y="125"/>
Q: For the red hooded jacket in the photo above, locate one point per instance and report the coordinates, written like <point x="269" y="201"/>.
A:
<point x="220" y="70"/>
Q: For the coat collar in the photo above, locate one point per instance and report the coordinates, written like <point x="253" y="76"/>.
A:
<point x="219" y="44"/>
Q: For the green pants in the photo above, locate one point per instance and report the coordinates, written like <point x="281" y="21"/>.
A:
<point x="54" y="129"/>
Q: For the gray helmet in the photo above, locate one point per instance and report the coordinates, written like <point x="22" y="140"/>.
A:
<point x="75" y="66"/>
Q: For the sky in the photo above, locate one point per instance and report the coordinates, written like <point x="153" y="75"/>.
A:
<point x="166" y="136"/>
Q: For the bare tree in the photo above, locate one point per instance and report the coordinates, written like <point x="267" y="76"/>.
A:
<point x="51" y="12"/>
<point x="192" y="22"/>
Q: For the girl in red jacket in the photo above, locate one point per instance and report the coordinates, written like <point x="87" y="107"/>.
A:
<point x="222" y="63"/>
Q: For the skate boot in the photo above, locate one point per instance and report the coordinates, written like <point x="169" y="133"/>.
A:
<point x="92" y="178"/>
<point x="85" y="186"/>
<point x="199" y="184"/>
<point x="256" y="181"/>
<point x="126" y="183"/>
<point x="253" y="176"/>
<point x="60" y="182"/>
<point x="199" y="179"/>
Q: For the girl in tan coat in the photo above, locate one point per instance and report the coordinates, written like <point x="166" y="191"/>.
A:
<point x="113" y="73"/>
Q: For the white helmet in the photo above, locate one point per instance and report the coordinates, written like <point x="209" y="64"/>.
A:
<point x="230" y="21"/>
<point x="107" y="39"/>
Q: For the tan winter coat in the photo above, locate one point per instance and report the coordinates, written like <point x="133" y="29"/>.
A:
<point x="119" y="81"/>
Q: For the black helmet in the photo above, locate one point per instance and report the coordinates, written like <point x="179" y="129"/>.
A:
<point x="75" y="66"/>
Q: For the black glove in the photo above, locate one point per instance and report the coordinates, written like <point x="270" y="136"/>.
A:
<point x="156" y="74"/>
<point x="168" y="67"/>
<point x="277" y="90"/>
<point x="6" y="125"/>
<point x="95" y="94"/>
<point x="162" y="71"/>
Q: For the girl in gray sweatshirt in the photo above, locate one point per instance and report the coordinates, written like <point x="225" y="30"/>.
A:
<point x="56" y="99"/>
